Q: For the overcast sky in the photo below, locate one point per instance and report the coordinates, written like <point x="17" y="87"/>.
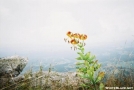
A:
<point x="42" y="24"/>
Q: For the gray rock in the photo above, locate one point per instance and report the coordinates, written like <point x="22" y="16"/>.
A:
<point x="12" y="66"/>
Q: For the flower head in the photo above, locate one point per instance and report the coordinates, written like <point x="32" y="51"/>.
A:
<point x="83" y="37"/>
<point x="74" y="41"/>
<point x="75" y="35"/>
<point x="69" y="34"/>
<point x="75" y="38"/>
<point x="72" y="36"/>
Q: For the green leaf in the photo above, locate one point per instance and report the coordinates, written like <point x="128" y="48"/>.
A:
<point x="98" y="79"/>
<point x="101" y="86"/>
<point x="79" y="64"/>
<point x="91" y="58"/>
<point x="84" y="85"/>
<point x="80" y="45"/>
<point x="98" y="66"/>
<point x="81" y="54"/>
<point x="87" y="55"/>
<point x="89" y="72"/>
<point x="79" y="48"/>
<point x="79" y="58"/>
<point x="82" y="50"/>
<point x="86" y="76"/>
<point x="83" y="69"/>
<point x="86" y="63"/>
<point x="92" y="69"/>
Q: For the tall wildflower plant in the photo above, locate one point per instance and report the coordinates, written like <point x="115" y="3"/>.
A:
<point x="87" y="65"/>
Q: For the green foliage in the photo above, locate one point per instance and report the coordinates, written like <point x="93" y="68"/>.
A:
<point x="86" y="68"/>
<point x="101" y="87"/>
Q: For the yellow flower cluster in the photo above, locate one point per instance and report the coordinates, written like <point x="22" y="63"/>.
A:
<point x="74" y="38"/>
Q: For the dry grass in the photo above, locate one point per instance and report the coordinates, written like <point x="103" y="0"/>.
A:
<point x="122" y="79"/>
<point x="46" y="80"/>
<point x="49" y="80"/>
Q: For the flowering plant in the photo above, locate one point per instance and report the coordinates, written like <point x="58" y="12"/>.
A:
<point x="86" y="65"/>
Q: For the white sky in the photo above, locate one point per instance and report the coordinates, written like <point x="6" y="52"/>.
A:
<point x="42" y="24"/>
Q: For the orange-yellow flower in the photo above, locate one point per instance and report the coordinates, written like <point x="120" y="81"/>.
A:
<point x="79" y="36"/>
<point x="75" y="35"/>
<point x="69" y="34"/>
<point x="72" y="35"/>
<point x="74" y="42"/>
<point x="83" y="37"/>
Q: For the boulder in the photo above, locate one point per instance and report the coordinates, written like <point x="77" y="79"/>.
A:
<point x="12" y="66"/>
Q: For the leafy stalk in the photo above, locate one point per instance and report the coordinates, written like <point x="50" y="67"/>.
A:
<point x="87" y="68"/>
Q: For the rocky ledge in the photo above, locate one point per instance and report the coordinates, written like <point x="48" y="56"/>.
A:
<point x="12" y="66"/>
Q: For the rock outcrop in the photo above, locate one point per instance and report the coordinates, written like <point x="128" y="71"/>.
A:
<point x="12" y="66"/>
